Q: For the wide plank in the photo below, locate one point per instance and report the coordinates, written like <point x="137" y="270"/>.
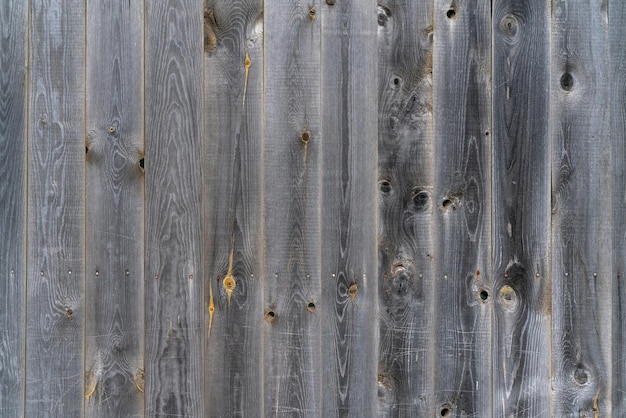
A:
<point x="521" y="209"/>
<point x="617" y="58"/>
<point x="13" y="101"/>
<point x="114" y="331"/>
<point x="463" y="294"/>
<point x="581" y="228"/>
<point x="348" y="304"/>
<point x="291" y="202"/>
<point x="406" y="172"/>
<point x="56" y="218"/>
<point x="233" y="216"/>
<point x="173" y="220"/>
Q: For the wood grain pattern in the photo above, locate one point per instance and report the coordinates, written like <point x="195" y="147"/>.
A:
<point x="232" y="192"/>
<point x="114" y="340"/>
<point x="291" y="195"/>
<point x="581" y="229"/>
<point x="173" y="269"/>
<point x="521" y="209"/>
<point x="13" y="101"/>
<point x="56" y="218"/>
<point x="462" y="197"/>
<point x="348" y="226"/>
<point x="617" y="57"/>
<point x="406" y="176"/>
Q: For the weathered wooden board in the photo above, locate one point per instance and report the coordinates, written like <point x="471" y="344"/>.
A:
<point x="521" y="209"/>
<point x="462" y="198"/>
<point x="114" y="331"/>
<point x="56" y="218"/>
<point x="174" y="301"/>
<point x="232" y="192"/>
<point x="348" y="304"/>
<point x="581" y="228"/>
<point x="617" y="57"/>
<point x="406" y="175"/>
<point x="291" y="195"/>
<point x="13" y="100"/>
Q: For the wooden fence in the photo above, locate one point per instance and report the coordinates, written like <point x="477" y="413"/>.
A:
<point x="320" y="208"/>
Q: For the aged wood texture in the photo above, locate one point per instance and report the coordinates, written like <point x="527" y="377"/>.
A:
<point x="114" y="332"/>
<point x="174" y="301"/>
<point x="232" y="192"/>
<point x="581" y="230"/>
<point x="291" y="195"/>
<point x="13" y="97"/>
<point x="56" y="219"/>
<point x="348" y="303"/>
<point x="406" y="176"/>
<point x="462" y="199"/>
<point x="521" y="209"/>
<point x="617" y="54"/>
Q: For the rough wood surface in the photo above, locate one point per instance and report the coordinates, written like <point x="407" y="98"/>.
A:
<point x="232" y="192"/>
<point x="348" y="304"/>
<point x="114" y="331"/>
<point x="462" y="198"/>
<point x="617" y="56"/>
<point x="174" y="301"/>
<point x="406" y="175"/>
<point x="56" y="219"/>
<point x="13" y="97"/>
<point x="291" y="196"/>
<point x="581" y="228"/>
<point x="521" y="209"/>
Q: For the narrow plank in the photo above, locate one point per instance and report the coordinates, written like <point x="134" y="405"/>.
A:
<point x="13" y="101"/>
<point x="114" y="332"/>
<point x="521" y="209"/>
<point x="173" y="269"/>
<point x="232" y="192"/>
<point x="617" y="57"/>
<point x="462" y="197"/>
<point x="291" y="196"/>
<point x="406" y="178"/>
<point x="56" y="218"/>
<point x="348" y="210"/>
<point x="581" y="227"/>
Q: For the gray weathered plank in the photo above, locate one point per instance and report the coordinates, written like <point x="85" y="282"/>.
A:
<point x="173" y="269"/>
<point x="292" y="147"/>
<point x="406" y="175"/>
<point x="462" y="197"/>
<point x="581" y="227"/>
<point x="13" y="100"/>
<point x="232" y="191"/>
<point x="348" y="304"/>
<point x="617" y="57"/>
<point x="521" y="209"/>
<point x="56" y="219"/>
<point x="114" y="331"/>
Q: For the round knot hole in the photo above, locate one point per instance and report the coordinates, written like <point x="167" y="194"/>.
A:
<point x="305" y="136"/>
<point x="445" y="411"/>
<point x="310" y="306"/>
<point x="451" y="13"/>
<point x="509" y="26"/>
<point x="580" y="375"/>
<point x="567" y="81"/>
<point x="270" y="315"/>
<point x="484" y="295"/>
<point x="385" y="186"/>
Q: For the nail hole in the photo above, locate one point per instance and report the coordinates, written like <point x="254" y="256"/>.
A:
<point x="111" y="130"/>
<point x="310" y="306"/>
<point x="97" y="273"/>
<point x="484" y="295"/>
<point x="306" y="135"/>
<point x="127" y="272"/>
<point x="567" y="81"/>
<point x="451" y="13"/>
<point x="396" y="81"/>
<point x="486" y="133"/>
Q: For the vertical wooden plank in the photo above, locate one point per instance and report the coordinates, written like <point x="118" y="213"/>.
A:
<point x="13" y="47"/>
<point x="174" y="297"/>
<point x="291" y="195"/>
<point x="581" y="227"/>
<point x="521" y="208"/>
<point x="114" y="210"/>
<point x="617" y="57"/>
<point x="348" y="211"/>
<point x="406" y="175"/>
<point x="56" y="218"/>
<point x="233" y="94"/>
<point x="462" y="195"/>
